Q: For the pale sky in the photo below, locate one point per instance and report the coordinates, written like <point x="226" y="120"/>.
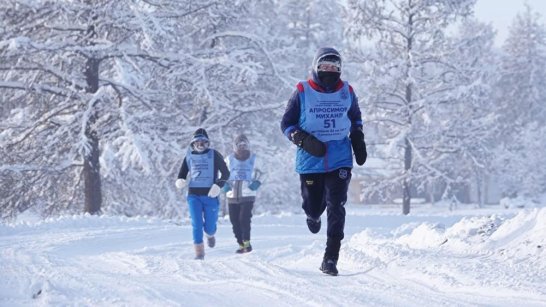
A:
<point x="500" y="13"/>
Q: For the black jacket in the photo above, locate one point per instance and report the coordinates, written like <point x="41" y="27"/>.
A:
<point x="219" y="165"/>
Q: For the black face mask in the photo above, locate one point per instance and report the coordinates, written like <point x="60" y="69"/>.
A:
<point x="328" y="78"/>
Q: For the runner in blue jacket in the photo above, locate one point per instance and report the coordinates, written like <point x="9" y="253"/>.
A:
<point x="323" y="119"/>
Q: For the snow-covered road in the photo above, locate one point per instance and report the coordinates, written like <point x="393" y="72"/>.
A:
<point x="430" y="258"/>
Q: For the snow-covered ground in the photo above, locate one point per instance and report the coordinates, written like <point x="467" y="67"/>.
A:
<point x="432" y="257"/>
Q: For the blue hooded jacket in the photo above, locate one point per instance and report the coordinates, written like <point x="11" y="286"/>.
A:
<point x="338" y="152"/>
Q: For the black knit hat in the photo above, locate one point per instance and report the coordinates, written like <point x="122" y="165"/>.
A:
<point x="200" y="134"/>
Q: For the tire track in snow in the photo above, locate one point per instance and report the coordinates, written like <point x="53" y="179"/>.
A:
<point x="142" y="263"/>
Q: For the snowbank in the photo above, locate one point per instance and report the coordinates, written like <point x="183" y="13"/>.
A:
<point x="520" y="238"/>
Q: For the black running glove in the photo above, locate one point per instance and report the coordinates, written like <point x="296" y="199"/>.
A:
<point x="359" y="146"/>
<point x="308" y="142"/>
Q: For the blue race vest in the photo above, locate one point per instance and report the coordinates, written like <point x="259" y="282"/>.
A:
<point x="241" y="170"/>
<point x="325" y="114"/>
<point x="201" y="168"/>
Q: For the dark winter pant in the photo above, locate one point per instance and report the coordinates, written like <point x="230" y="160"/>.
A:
<point x="321" y="191"/>
<point x="240" y="215"/>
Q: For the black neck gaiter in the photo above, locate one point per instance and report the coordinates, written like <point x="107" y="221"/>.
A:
<point x="328" y="78"/>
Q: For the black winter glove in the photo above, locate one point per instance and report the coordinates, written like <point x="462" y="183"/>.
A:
<point x="359" y="146"/>
<point x="308" y="142"/>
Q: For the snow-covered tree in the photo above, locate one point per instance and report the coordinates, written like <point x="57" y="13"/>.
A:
<point x="103" y="96"/>
<point x="521" y="94"/>
<point x="415" y="90"/>
<point x="468" y="121"/>
<point x="308" y="26"/>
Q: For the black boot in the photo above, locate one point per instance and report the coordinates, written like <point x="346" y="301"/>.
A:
<point x="211" y="241"/>
<point x="328" y="266"/>
<point x="313" y="225"/>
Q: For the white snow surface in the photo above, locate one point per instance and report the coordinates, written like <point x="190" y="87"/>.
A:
<point x="432" y="257"/>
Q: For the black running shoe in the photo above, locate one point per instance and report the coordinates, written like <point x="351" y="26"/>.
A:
<point x="314" y="225"/>
<point x="241" y="249"/>
<point x="244" y="248"/>
<point x="328" y="266"/>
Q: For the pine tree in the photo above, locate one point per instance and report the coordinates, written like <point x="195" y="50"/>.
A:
<point x="522" y="92"/>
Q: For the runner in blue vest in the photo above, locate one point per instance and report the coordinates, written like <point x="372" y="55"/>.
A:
<point x="323" y="119"/>
<point x="203" y="164"/>
<point x="241" y="191"/>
